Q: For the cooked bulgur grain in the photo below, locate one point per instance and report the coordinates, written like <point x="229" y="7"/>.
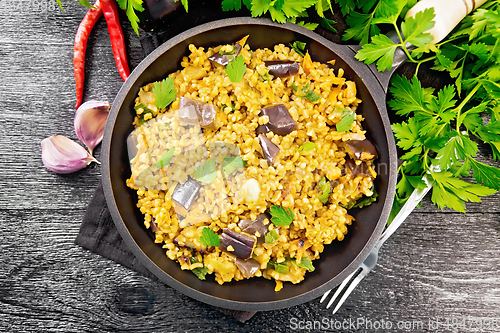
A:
<point x="231" y="198"/>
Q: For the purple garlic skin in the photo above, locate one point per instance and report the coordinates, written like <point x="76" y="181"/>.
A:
<point x="280" y="121"/>
<point x="282" y="68"/>
<point x="90" y="119"/>
<point x="63" y="155"/>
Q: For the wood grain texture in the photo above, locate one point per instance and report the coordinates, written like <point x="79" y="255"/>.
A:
<point x="439" y="265"/>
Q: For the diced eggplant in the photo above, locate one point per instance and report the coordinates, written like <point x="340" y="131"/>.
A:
<point x="269" y="149"/>
<point x="282" y="68"/>
<point x="256" y="227"/>
<point x="248" y="268"/>
<point x="223" y="59"/>
<point x="236" y="243"/>
<point x="192" y="112"/>
<point x="184" y="195"/>
<point x="154" y="227"/>
<point x="280" y="121"/>
<point x="361" y="149"/>
<point x="357" y="170"/>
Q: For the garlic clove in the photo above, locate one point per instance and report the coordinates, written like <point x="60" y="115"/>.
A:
<point x="90" y="119"/>
<point x="63" y="155"/>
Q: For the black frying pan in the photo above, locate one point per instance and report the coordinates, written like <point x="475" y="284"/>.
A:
<point x="340" y="258"/>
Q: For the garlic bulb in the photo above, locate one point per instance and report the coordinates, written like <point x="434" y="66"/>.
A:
<point x="90" y="119"/>
<point x="63" y="155"/>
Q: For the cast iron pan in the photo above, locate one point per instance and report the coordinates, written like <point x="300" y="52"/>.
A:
<point x="339" y="259"/>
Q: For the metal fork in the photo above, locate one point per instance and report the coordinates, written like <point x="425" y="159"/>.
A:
<point x="371" y="261"/>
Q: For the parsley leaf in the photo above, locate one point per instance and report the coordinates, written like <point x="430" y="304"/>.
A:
<point x="299" y="47"/>
<point x="271" y="236"/>
<point x="206" y="173"/>
<point x="413" y="28"/>
<point x="229" y="164"/>
<point x="281" y="215"/>
<point x="130" y="7"/>
<point x="381" y="50"/>
<point x="306" y="263"/>
<point x="85" y="3"/>
<point x="281" y="267"/>
<point x="306" y="93"/>
<point x="165" y="159"/>
<point x="307" y="146"/>
<point x="145" y="111"/>
<point x="200" y="272"/>
<point x="209" y="237"/>
<point x="345" y="123"/>
<point x="236" y="69"/>
<point x="164" y="92"/>
<point x="324" y="186"/>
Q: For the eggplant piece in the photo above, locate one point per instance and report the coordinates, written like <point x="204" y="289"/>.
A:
<point x="280" y="121"/>
<point x="248" y="268"/>
<point x="236" y="243"/>
<point x="184" y="195"/>
<point x="223" y="59"/>
<point x="269" y="149"/>
<point x="357" y="170"/>
<point x="193" y="112"/>
<point x="154" y="227"/>
<point x="256" y="226"/>
<point x="282" y="68"/>
<point x="361" y="149"/>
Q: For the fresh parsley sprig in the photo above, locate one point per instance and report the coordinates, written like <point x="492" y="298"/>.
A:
<point x="164" y="92"/>
<point x="206" y="173"/>
<point x="306" y="93"/>
<point x="281" y="215"/>
<point x="236" y="69"/>
<point x="209" y="237"/>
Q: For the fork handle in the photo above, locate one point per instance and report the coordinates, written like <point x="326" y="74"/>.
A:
<point x="408" y="207"/>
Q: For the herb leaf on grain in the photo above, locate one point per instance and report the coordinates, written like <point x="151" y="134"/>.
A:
<point x="299" y="47"/>
<point x="306" y="263"/>
<point x="206" y="173"/>
<point x="229" y="164"/>
<point x="165" y="159"/>
<point x="200" y="272"/>
<point x="306" y="93"/>
<point x="209" y="237"/>
<point x="271" y="236"/>
<point x="236" y="69"/>
<point x="281" y="215"/>
<point x="145" y="111"/>
<point x="345" y="123"/>
<point x="164" y="92"/>
<point x="325" y="188"/>
<point x="280" y="267"/>
<point x="307" y="146"/>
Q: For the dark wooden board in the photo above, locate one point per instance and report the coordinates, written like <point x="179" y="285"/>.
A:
<point x="440" y="264"/>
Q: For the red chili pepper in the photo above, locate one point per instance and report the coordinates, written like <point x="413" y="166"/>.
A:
<point x="110" y="10"/>
<point x="81" y="38"/>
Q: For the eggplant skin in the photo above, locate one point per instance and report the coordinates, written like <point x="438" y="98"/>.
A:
<point x="237" y="243"/>
<point x="280" y="120"/>
<point x="282" y="68"/>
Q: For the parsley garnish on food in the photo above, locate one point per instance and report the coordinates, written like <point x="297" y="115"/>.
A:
<point x="229" y="164"/>
<point x="281" y="215"/>
<point x="299" y="47"/>
<point x="165" y="159"/>
<point x="130" y="7"/>
<point x="164" y="92"/>
<point x="209" y="238"/>
<point x="306" y="93"/>
<point x="324" y="186"/>
<point x="281" y="267"/>
<point x="271" y="236"/>
<point x="364" y="200"/>
<point x="200" y="272"/>
<point x="306" y="263"/>
<point x="206" y="173"/>
<point x="236" y="69"/>
<point x="307" y="146"/>
<point x="345" y="123"/>
<point x="145" y="111"/>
